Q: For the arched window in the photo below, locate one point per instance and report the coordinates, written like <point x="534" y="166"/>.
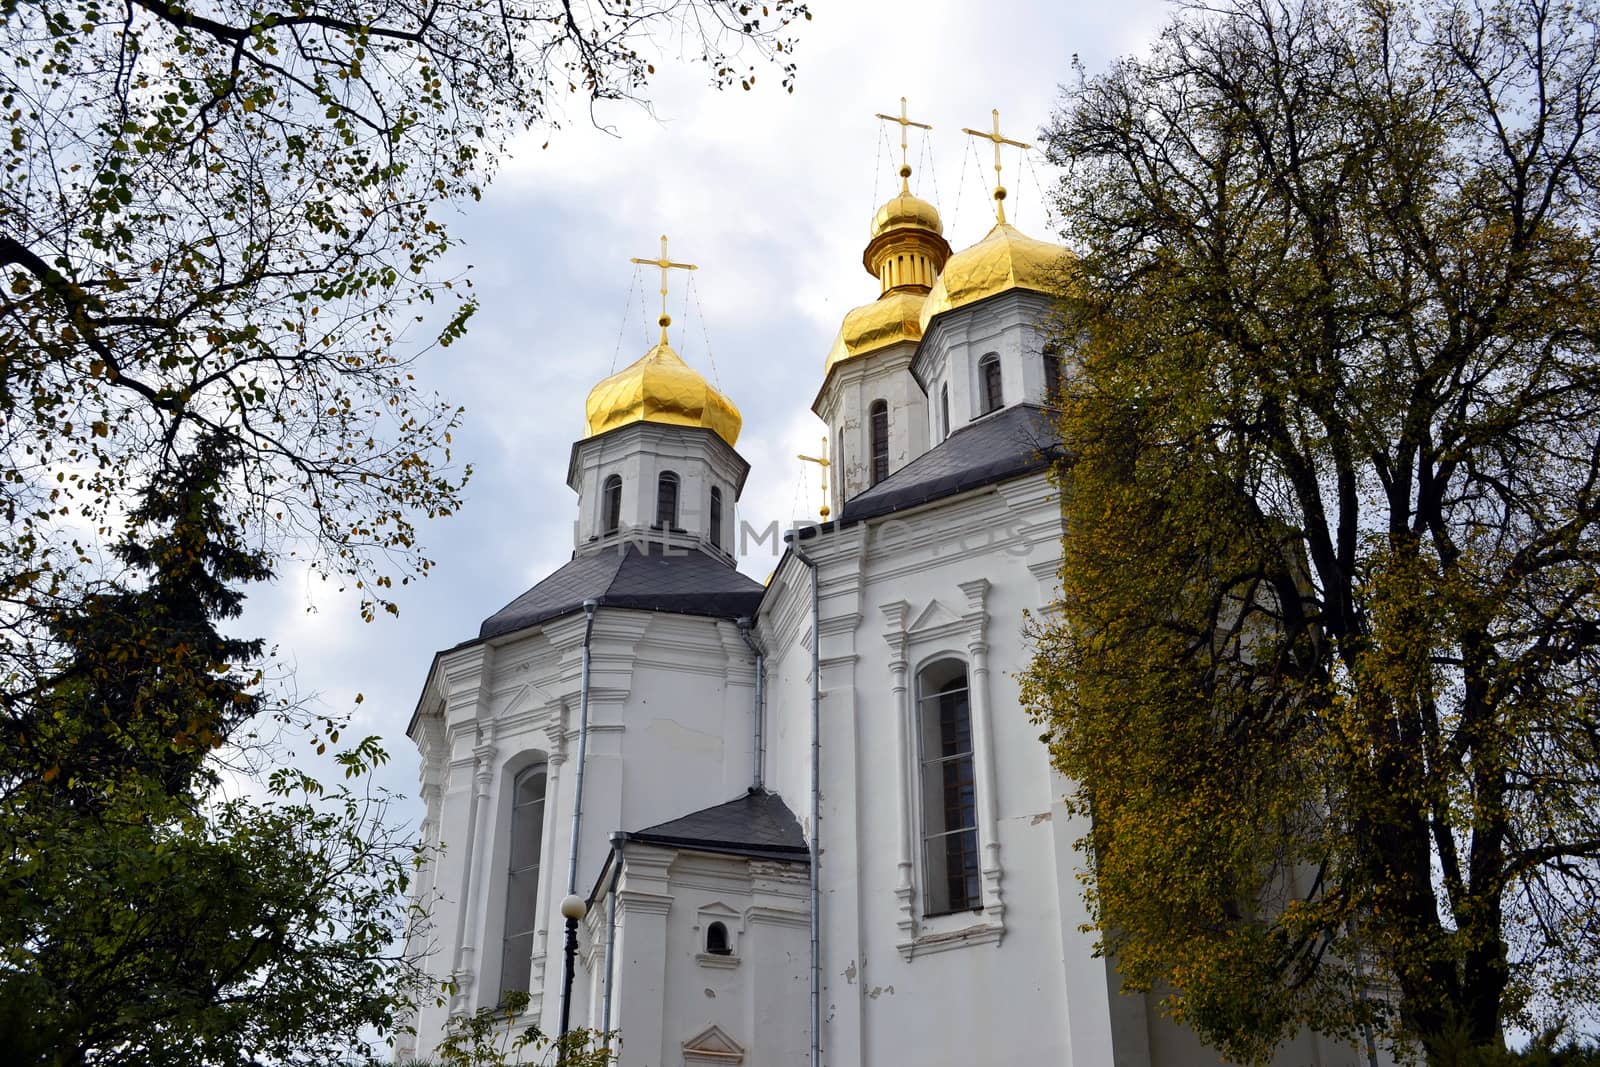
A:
<point x="989" y="383"/>
<point x="611" y="504"/>
<point x="949" y="792"/>
<point x="717" y="940"/>
<point x="1052" y="372"/>
<point x="716" y="517"/>
<point x="879" y="413"/>
<point x="522" y="879"/>
<point x="667" y="501"/>
<point x="944" y="411"/>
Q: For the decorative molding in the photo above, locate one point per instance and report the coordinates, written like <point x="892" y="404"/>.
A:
<point x="934" y="617"/>
<point x="984" y="933"/>
<point x="712" y="1046"/>
<point x="631" y="901"/>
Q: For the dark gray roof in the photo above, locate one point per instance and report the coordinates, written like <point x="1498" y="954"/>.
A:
<point x="1019" y="440"/>
<point x="684" y="581"/>
<point x="758" y="824"/>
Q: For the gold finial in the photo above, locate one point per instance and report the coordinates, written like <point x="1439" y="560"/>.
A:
<point x="999" y="190"/>
<point x="905" y="164"/>
<point x="823" y="462"/>
<point x="665" y="264"/>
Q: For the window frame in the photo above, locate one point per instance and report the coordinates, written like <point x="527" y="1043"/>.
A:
<point x="663" y="480"/>
<point x="1054" y="366"/>
<point x="527" y="871"/>
<point x="611" y="505"/>
<point x="726" y="948"/>
<point x="972" y="902"/>
<point x="991" y="385"/>
<point x="878" y="438"/>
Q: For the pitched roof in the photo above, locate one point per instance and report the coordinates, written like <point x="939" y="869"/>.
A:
<point x="758" y="824"/>
<point x="653" y="578"/>
<point x="1016" y="441"/>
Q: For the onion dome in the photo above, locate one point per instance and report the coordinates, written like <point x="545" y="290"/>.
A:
<point x="893" y="317"/>
<point x="1005" y="259"/>
<point x="661" y="387"/>
<point x="905" y="253"/>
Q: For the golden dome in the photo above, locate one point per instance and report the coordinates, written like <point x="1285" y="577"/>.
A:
<point x="1006" y="259"/>
<point x="906" y="211"/>
<point x="661" y="387"/>
<point x="891" y="318"/>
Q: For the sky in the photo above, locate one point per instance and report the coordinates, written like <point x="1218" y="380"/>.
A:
<point x="771" y="195"/>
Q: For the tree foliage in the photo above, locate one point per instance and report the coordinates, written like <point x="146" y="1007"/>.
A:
<point x="1326" y="668"/>
<point x="155" y="934"/>
<point x="219" y="218"/>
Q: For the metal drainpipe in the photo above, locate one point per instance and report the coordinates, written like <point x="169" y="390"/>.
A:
<point x="611" y="929"/>
<point x="757" y="780"/>
<point x="589" y="607"/>
<point x="816" y="805"/>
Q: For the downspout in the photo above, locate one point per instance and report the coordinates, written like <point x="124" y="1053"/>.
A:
<point x="759" y="712"/>
<point x="816" y="805"/>
<point x="589" y="607"/>
<point x="611" y="929"/>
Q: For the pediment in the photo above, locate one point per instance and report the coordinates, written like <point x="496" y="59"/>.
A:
<point x="712" y="1045"/>
<point x="934" y="617"/>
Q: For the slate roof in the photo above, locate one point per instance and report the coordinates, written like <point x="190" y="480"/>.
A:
<point x="758" y="824"/>
<point x="1019" y="440"/>
<point x="683" y="581"/>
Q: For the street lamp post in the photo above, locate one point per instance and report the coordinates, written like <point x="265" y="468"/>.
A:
<point x="572" y="910"/>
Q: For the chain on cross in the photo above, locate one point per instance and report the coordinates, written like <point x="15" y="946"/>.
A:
<point x="905" y="163"/>
<point x="665" y="264"/>
<point x="998" y="139"/>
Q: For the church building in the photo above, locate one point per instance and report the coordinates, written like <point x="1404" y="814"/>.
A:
<point x="809" y="822"/>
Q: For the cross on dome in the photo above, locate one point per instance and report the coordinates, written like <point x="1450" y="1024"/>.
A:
<point x="905" y="163"/>
<point x="665" y="264"/>
<point x="998" y="139"/>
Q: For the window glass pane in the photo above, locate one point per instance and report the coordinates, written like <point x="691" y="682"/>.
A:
<point x="613" y="504"/>
<point x="522" y="890"/>
<point x="527" y="829"/>
<point x="989" y="371"/>
<point x="667" y="501"/>
<point x="522" y="878"/>
<point x="949" y="801"/>
<point x="516" y="964"/>
<point x="880" y="441"/>
<point x="716" y="518"/>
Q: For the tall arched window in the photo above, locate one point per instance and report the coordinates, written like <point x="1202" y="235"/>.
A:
<point x="944" y="411"/>
<point x="879" y="415"/>
<point x="667" y="501"/>
<point x="522" y="879"/>
<point x="989" y="383"/>
<point x="949" y="792"/>
<point x="716" y="517"/>
<point x="611" y="504"/>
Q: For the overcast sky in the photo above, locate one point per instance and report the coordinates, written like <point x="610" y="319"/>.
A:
<point x="771" y="194"/>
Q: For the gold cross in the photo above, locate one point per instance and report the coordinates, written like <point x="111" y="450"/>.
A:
<point x="905" y="165"/>
<point x="665" y="264"/>
<point x="824" y="463"/>
<point x="999" y="190"/>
